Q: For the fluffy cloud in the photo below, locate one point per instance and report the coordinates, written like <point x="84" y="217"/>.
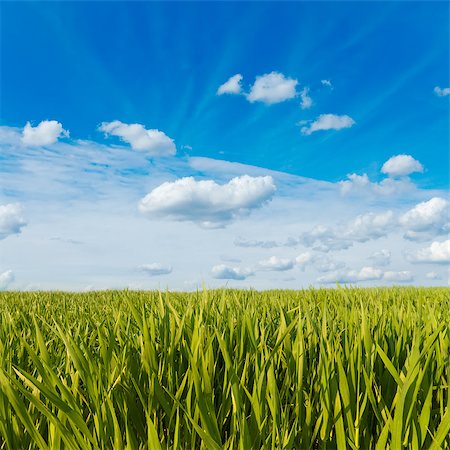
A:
<point x="207" y="203"/>
<point x="231" y="86"/>
<point x="155" y="269"/>
<point x="363" y="228"/>
<point x="304" y="259"/>
<point x="224" y="272"/>
<point x="369" y="226"/>
<point x="381" y="258"/>
<point x="401" y="165"/>
<point x="11" y="219"/>
<point x="155" y="142"/>
<point x="328" y="122"/>
<point x="326" y="83"/>
<point x="436" y="253"/>
<point x="306" y="100"/>
<point x="367" y="273"/>
<point x="402" y="277"/>
<point x="272" y="88"/>
<point x="324" y="239"/>
<point x="426" y="218"/>
<point x="6" y="278"/>
<point x="441" y="92"/>
<point x="352" y="276"/>
<point x="45" y="133"/>
<point x="360" y="184"/>
<point x="275" y="263"/>
<point x="326" y="264"/>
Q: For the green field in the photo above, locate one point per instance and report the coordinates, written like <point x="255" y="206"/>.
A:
<point x="226" y="369"/>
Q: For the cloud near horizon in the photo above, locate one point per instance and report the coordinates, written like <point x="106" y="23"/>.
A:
<point x="224" y="272"/>
<point x="367" y="273"/>
<point x="6" y="278"/>
<point x="155" y="269"/>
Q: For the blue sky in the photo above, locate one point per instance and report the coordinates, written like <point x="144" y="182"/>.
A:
<point x="374" y="74"/>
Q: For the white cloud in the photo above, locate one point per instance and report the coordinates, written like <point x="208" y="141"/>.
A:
<point x="433" y="276"/>
<point x="381" y="258"/>
<point x="352" y="276"/>
<point x="155" y="269"/>
<point x="328" y="122"/>
<point x="207" y="203"/>
<point x="6" y="278"/>
<point x="306" y="102"/>
<point x="45" y="133"/>
<point x="224" y="272"/>
<point x="11" y="219"/>
<point x="272" y="88"/>
<point x="326" y="83"/>
<point x="253" y="243"/>
<point x="248" y="243"/>
<point x="363" y="228"/>
<point x="154" y="142"/>
<point x="401" y="165"/>
<point x="426" y="218"/>
<point x="441" y="92"/>
<point x="231" y="86"/>
<point x="436" y="253"/>
<point x="369" y="226"/>
<point x="403" y="276"/>
<point x="360" y="184"/>
<point x="323" y="263"/>
<point x="324" y="239"/>
<point x="101" y="205"/>
<point x="304" y="259"/>
<point x="275" y="263"/>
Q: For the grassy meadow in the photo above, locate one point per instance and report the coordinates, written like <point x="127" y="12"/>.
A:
<point x="226" y="369"/>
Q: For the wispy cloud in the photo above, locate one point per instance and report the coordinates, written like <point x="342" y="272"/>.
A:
<point x="276" y="263"/>
<point x="381" y="257"/>
<point x="441" y="92"/>
<point x="6" y="278"/>
<point x="306" y="100"/>
<point x="328" y="122"/>
<point x="11" y="219"/>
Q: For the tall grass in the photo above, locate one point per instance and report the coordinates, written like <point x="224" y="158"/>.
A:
<point x="226" y="369"/>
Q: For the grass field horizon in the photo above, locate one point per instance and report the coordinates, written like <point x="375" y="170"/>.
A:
<point x="337" y="368"/>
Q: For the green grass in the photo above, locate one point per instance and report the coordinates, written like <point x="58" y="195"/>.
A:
<point x="226" y="369"/>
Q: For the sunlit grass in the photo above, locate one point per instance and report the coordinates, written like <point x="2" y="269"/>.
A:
<point x="226" y="369"/>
